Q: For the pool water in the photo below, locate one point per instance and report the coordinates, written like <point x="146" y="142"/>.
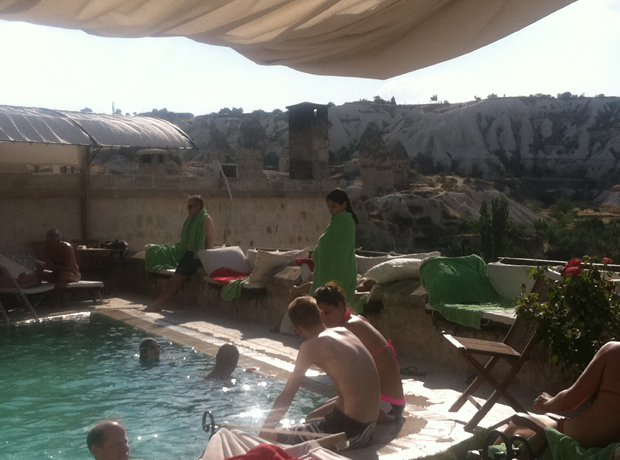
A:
<point x="59" y="378"/>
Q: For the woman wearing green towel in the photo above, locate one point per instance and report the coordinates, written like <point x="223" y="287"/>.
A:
<point x="198" y="233"/>
<point x="334" y="256"/>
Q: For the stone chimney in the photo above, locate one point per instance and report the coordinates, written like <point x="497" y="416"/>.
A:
<point x="250" y="149"/>
<point x="401" y="165"/>
<point x="308" y="141"/>
<point x="376" y="164"/>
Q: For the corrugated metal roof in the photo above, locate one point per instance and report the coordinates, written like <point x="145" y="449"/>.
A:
<point x="37" y="125"/>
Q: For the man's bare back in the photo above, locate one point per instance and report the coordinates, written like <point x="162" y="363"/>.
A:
<point x="599" y="424"/>
<point x="338" y="352"/>
<point x="345" y="359"/>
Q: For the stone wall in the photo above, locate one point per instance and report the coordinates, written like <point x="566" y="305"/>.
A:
<point x="152" y="209"/>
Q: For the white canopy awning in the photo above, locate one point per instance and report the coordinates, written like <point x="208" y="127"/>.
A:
<point x="43" y="136"/>
<point x="356" y="38"/>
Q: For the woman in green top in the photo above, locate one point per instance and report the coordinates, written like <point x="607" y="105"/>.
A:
<point x="334" y="255"/>
<point x="198" y="233"/>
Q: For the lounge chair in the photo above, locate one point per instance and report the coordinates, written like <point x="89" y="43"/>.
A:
<point x="228" y="443"/>
<point x="550" y="444"/>
<point x="514" y="349"/>
<point x="12" y="270"/>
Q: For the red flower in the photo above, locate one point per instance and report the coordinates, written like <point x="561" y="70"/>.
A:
<point x="522" y="285"/>
<point x="572" y="271"/>
<point x="573" y="263"/>
<point x="607" y="260"/>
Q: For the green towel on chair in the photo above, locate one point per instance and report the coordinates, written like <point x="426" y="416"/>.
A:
<point x="459" y="288"/>
<point x="334" y="256"/>
<point x="166" y="256"/>
<point x="561" y="447"/>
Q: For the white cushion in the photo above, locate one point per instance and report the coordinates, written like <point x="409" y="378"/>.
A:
<point x="395" y="270"/>
<point x="251" y="255"/>
<point x="507" y="279"/>
<point x="366" y="263"/>
<point x="267" y="262"/>
<point x="230" y="257"/>
<point x="417" y="255"/>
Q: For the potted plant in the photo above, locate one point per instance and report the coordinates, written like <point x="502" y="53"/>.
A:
<point x="581" y="314"/>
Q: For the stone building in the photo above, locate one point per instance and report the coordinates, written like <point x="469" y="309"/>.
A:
<point x="250" y="149"/>
<point x="308" y="141"/>
<point x="384" y="168"/>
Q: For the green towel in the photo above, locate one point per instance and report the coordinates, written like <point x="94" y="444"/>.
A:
<point x="334" y="256"/>
<point x="460" y="289"/>
<point x="166" y="256"/>
<point x="233" y="289"/>
<point x="562" y="447"/>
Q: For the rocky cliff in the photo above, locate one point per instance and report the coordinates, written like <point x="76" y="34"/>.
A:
<point x="575" y="137"/>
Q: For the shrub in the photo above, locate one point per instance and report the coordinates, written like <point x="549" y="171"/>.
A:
<point x="581" y="315"/>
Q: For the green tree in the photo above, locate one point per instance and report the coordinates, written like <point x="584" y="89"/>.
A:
<point x="493" y="226"/>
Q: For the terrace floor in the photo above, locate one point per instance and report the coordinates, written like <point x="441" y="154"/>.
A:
<point x="427" y="428"/>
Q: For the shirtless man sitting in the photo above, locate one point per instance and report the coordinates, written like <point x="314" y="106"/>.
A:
<point x="59" y="265"/>
<point x="599" y="424"/>
<point x="331" y="302"/>
<point x="345" y="359"/>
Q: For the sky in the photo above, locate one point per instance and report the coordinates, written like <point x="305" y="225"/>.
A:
<point x="575" y="49"/>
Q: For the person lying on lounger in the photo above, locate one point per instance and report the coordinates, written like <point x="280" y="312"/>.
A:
<point x="599" y="424"/>
<point x="331" y="301"/>
<point x="349" y="364"/>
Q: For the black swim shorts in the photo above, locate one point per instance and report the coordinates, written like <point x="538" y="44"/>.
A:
<point x="358" y="433"/>
<point x="188" y="264"/>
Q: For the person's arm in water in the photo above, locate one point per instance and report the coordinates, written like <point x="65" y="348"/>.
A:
<point x="209" y="232"/>
<point x="284" y="400"/>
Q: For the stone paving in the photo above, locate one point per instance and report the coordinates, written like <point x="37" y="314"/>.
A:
<point x="427" y="428"/>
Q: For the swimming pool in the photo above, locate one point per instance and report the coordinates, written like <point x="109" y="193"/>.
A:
<point x="58" y="378"/>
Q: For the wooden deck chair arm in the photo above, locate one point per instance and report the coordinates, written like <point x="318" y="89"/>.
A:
<point x="526" y="420"/>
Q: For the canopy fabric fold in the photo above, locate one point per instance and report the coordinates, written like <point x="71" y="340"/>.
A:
<point x="355" y="38"/>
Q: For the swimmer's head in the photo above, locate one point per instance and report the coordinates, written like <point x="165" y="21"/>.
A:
<point x="226" y="361"/>
<point x="149" y="349"/>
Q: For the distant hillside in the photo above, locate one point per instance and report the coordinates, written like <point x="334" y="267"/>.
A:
<point x="569" y="137"/>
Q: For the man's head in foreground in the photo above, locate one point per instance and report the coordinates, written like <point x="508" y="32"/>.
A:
<point x="108" y="441"/>
<point x="305" y="315"/>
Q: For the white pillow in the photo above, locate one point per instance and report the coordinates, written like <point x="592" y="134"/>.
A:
<point x="230" y="257"/>
<point x="252" y="254"/>
<point x="418" y="255"/>
<point x="395" y="270"/>
<point x="507" y="279"/>
<point x="267" y="262"/>
<point x="366" y="263"/>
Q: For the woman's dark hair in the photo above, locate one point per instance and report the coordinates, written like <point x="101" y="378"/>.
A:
<point x="330" y="293"/>
<point x="339" y="196"/>
<point x="197" y="199"/>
